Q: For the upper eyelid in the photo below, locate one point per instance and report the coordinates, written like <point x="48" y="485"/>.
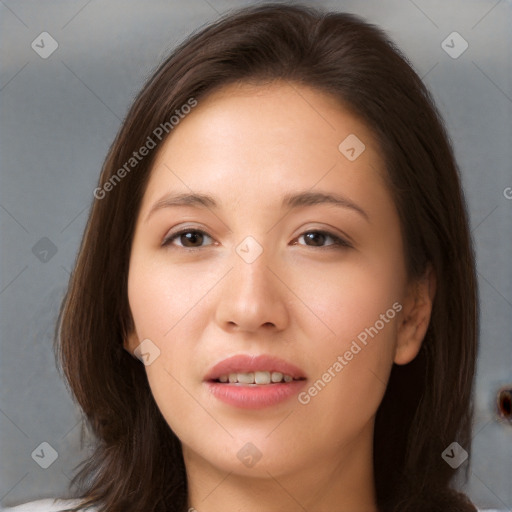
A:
<point x="185" y="229"/>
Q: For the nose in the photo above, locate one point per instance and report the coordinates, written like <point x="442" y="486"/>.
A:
<point x="252" y="299"/>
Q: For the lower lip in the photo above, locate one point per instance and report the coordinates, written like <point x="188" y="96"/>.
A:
<point x="255" y="396"/>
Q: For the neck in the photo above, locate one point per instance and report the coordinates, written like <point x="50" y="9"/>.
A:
<point x="340" y="479"/>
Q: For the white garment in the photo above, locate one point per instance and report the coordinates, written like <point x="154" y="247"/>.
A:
<point x="47" y="505"/>
<point x="50" y="505"/>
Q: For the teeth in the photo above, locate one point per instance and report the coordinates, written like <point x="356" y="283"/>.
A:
<point x="259" y="377"/>
<point x="245" y="378"/>
<point x="277" y="376"/>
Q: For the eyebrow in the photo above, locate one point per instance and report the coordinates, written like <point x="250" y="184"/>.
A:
<point x="314" y="198"/>
<point x="171" y="200"/>
<point x="291" y="200"/>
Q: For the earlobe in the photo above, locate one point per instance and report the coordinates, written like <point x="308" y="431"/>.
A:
<point x="130" y="343"/>
<point x="415" y="318"/>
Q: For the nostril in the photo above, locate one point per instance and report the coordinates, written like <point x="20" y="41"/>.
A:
<point x="504" y="400"/>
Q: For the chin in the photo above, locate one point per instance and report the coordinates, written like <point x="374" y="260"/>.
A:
<point x="247" y="455"/>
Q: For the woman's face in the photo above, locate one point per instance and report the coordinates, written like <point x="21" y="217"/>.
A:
<point x="268" y="246"/>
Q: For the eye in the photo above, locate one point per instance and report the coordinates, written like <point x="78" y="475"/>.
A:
<point x="188" y="238"/>
<point x="322" y="239"/>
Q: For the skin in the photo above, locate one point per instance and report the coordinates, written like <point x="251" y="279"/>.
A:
<point x="248" y="146"/>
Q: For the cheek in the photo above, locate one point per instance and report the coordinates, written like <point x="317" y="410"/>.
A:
<point x="168" y="308"/>
<point x="162" y="295"/>
<point x="353" y="318"/>
<point x="343" y="301"/>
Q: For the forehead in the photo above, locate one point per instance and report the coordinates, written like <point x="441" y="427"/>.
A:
<point x="248" y="138"/>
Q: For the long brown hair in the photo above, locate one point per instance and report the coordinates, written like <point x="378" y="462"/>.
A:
<point x="137" y="463"/>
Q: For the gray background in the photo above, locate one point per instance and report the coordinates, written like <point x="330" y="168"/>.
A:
<point x="58" y="117"/>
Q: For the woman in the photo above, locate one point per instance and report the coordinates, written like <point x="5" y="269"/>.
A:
<point x="274" y="303"/>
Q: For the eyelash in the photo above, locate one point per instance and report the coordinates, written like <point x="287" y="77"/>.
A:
<point x="338" y="242"/>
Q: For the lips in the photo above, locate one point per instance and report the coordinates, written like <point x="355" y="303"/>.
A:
<point x="254" y="382"/>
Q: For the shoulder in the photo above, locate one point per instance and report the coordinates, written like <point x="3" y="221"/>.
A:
<point x="46" y="505"/>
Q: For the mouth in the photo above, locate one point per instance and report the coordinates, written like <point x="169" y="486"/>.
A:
<point x="254" y="382"/>
<point x="258" y="378"/>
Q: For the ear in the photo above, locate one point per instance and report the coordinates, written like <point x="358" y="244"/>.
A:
<point x="131" y="342"/>
<point x="415" y="317"/>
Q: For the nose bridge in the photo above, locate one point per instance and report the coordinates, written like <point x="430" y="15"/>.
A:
<point x="251" y="297"/>
<point x="253" y="280"/>
<point x="251" y="260"/>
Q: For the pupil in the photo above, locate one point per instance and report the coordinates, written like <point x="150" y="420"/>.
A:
<point x="191" y="239"/>
<point x="315" y="238"/>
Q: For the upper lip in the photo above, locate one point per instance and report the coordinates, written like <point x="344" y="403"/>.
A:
<point x="244" y="363"/>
